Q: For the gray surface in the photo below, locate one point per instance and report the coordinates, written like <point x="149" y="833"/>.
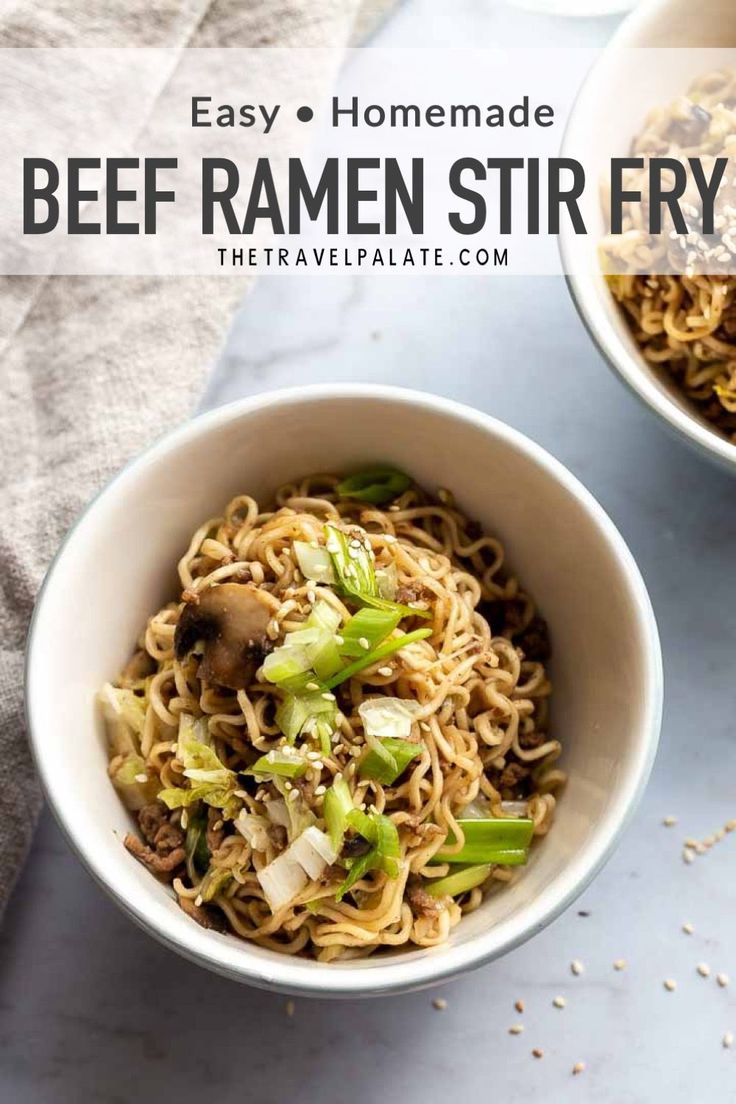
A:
<point x="93" y="1009"/>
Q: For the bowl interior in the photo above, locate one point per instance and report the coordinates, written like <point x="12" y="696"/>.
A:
<point x="689" y="40"/>
<point x="118" y="566"/>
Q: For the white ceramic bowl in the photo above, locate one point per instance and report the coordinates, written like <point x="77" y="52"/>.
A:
<point x="118" y="564"/>
<point x="659" y="23"/>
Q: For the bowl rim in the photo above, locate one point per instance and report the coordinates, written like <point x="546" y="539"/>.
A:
<point x="627" y="366"/>
<point x="403" y="973"/>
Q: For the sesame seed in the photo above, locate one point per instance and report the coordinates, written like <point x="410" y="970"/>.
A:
<point x="519" y="1005"/>
<point x="439" y="1003"/>
<point x="559" y="1002"/>
<point x="577" y="967"/>
<point x="328" y="696"/>
<point x="312" y="756"/>
<point x="669" y="821"/>
<point x="516" y="1029"/>
<point x="722" y="980"/>
<point x="688" y="856"/>
<point x="703" y="969"/>
<point x="538" y="1053"/>
<point x="339" y="640"/>
<point x="579" y="1067"/>
<point x="385" y="671"/>
<point x="688" y="928"/>
<point x="198" y="900"/>
<point x="320" y="790"/>
<point x="290" y="1008"/>
<point x="312" y="686"/>
<point x="670" y="985"/>
<point x="141" y="778"/>
<point x="727" y="1039"/>
<point x="364" y="643"/>
<point x="184" y="819"/>
<point x="619" y="964"/>
<point x="293" y="795"/>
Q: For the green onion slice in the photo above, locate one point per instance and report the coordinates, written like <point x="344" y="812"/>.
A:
<point x="376" y="485"/>
<point x="381" y="652"/>
<point x="367" y="627"/>
<point x="460" y="881"/>
<point x="388" y="759"/>
<point x="384" y="853"/>
<point x="276" y="763"/>
<point x="354" y="566"/>
<point x="338" y="803"/>
<point x="195" y="846"/>
<point x="501" y="840"/>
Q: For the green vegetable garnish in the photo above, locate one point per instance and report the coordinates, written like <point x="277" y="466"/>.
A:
<point x="338" y="802"/>
<point x="501" y="840"/>
<point x="299" y="714"/>
<point x="388" y="759"/>
<point x="367" y="626"/>
<point x="460" y="881"/>
<point x="276" y="763"/>
<point x="354" y="568"/>
<point x="384" y="854"/>
<point x="377" y="485"/>
<point x="381" y="652"/>
<point x="213" y="882"/>
<point x="195" y="846"/>
<point x="210" y="780"/>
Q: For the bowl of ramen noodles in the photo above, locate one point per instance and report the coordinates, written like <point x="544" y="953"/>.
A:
<point x="343" y="690"/>
<point x="665" y="319"/>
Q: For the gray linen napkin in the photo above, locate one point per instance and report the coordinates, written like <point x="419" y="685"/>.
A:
<point x="94" y="368"/>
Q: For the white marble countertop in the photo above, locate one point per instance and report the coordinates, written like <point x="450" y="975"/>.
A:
<point x="93" y="1009"/>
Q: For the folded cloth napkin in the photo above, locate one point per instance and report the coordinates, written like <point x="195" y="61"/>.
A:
<point x="94" y="368"/>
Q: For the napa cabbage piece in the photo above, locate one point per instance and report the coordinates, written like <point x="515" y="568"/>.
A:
<point x="305" y="859"/>
<point x="210" y="780"/>
<point x="214" y="882"/>
<point x="124" y="714"/>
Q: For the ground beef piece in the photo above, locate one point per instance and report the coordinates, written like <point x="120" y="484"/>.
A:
<point x="534" y="640"/>
<point x="414" y="592"/>
<point x="421" y="902"/>
<point x="512" y="775"/>
<point x="163" y="866"/>
<point x="530" y="740"/>
<point x="151" y="818"/>
<point x="168" y="838"/>
<point x="206" y="917"/>
<point x="215" y="829"/>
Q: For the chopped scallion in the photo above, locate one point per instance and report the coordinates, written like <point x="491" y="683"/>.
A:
<point x="338" y="802"/>
<point x="366" y="629"/>
<point x="276" y="763"/>
<point x="376" y="485"/>
<point x="460" y="881"/>
<point x="385" y="850"/>
<point x="381" y="652"/>
<point x="388" y="759"/>
<point x="501" y="840"/>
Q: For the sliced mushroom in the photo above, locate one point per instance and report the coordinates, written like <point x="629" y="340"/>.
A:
<point x="230" y="621"/>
